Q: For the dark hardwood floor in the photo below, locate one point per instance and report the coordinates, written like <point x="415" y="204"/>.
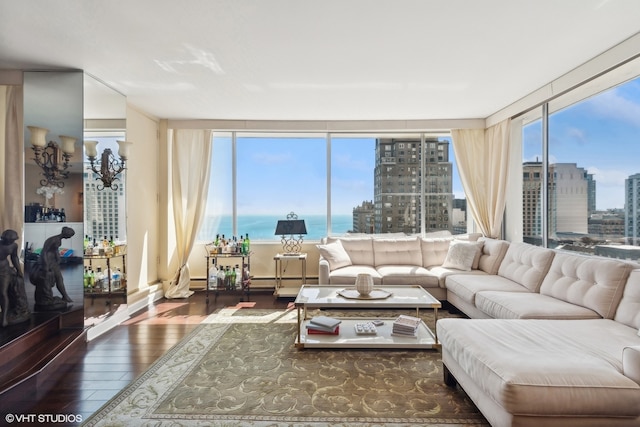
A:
<point x="110" y="362"/>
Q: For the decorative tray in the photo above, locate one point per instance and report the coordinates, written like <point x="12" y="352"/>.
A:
<point x="375" y="294"/>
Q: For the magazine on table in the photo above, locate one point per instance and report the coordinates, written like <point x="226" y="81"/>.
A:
<point x="325" y="322"/>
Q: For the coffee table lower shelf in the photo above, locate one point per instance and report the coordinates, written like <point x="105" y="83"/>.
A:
<point x="347" y="338"/>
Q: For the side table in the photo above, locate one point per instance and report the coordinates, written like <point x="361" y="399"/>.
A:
<point x="281" y="261"/>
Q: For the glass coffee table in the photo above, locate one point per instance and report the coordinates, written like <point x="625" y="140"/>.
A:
<point x="340" y="297"/>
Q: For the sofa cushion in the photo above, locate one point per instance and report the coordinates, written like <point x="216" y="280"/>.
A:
<point x="441" y="273"/>
<point x="527" y="305"/>
<point x="434" y="250"/>
<point x="462" y="255"/>
<point x="592" y="282"/>
<point x="360" y="249"/>
<point x="546" y="367"/>
<point x="466" y="286"/>
<point x="397" y="252"/>
<point x="407" y="275"/>
<point x="526" y="264"/>
<point x="628" y="311"/>
<point x="493" y="251"/>
<point x="631" y="363"/>
<point x="347" y="275"/>
<point x="335" y="254"/>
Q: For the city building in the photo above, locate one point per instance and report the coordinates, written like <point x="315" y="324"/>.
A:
<point x="104" y="213"/>
<point x="632" y="209"/>
<point x="607" y="226"/>
<point x="568" y="198"/>
<point x="399" y="183"/>
<point x="364" y="218"/>
<point x="531" y="199"/>
<point x="459" y="216"/>
<point x="571" y="191"/>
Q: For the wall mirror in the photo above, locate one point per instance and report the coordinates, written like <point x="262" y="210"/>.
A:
<point x="53" y="185"/>
<point x="104" y="204"/>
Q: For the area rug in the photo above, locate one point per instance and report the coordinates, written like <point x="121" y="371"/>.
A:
<point x="241" y="368"/>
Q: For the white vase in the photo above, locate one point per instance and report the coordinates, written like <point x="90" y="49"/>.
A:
<point x="364" y="284"/>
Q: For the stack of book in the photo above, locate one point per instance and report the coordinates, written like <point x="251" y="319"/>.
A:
<point x="405" y="326"/>
<point x="324" y="325"/>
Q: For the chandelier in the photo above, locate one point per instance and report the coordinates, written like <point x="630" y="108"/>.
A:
<point x="52" y="159"/>
<point x="108" y="168"/>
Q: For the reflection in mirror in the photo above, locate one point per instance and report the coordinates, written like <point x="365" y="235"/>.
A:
<point x="104" y="207"/>
<point x="53" y="229"/>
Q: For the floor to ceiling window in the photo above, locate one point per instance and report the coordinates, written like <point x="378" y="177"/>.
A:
<point x="593" y="191"/>
<point x="337" y="183"/>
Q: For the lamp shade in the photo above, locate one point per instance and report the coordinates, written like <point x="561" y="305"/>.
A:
<point x="38" y="136"/>
<point x="68" y="144"/>
<point x="291" y="226"/>
<point x="91" y="148"/>
<point x="123" y="149"/>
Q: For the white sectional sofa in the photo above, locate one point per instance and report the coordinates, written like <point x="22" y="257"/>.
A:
<point x="552" y="336"/>
<point x="401" y="260"/>
<point x="553" y="339"/>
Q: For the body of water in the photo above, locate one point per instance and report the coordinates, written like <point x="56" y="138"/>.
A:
<point x="263" y="227"/>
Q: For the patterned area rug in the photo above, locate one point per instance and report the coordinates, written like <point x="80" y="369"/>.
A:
<point x="240" y="368"/>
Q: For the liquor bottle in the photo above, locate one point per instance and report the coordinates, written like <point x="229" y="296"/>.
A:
<point x="232" y="278"/>
<point x="220" y="281"/>
<point x="92" y="279"/>
<point x="238" y="282"/>
<point x="85" y="278"/>
<point x="116" y="279"/>
<point x="246" y="276"/>
<point x="227" y="278"/>
<point x="246" y="245"/>
<point x="99" y="280"/>
<point x="213" y="275"/>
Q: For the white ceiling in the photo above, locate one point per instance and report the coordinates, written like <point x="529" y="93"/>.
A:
<point x="315" y="60"/>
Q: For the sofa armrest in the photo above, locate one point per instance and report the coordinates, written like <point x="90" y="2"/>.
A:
<point x="323" y="271"/>
<point x="631" y="362"/>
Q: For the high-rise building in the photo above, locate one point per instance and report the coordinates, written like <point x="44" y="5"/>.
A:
<point x="363" y="218"/>
<point x="591" y="193"/>
<point x="571" y="190"/>
<point x="531" y="199"/>
<point x="569" y="198"/>
<point x="104" y="211"/>
<point x="399" y="181"/>
<point x="459" y="216"/>
<point x="632" y="209"/>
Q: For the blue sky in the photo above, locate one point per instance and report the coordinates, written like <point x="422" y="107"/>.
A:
<point x="600" y="134"/>
<point x="278" y="175"/>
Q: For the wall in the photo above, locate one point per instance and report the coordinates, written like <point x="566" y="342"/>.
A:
<point x="143" y="240"/>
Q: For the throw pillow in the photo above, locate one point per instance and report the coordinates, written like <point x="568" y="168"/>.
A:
<point x="461" y="255"/>
<point x="335" y="254"/>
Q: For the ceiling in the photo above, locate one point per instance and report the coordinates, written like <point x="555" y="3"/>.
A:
<point x="315" y="60"/>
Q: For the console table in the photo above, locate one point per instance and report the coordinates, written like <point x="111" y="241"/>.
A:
<point x="280" y="259"/>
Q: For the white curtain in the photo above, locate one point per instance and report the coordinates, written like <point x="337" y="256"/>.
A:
<point x="482" y="156"/>
<point x="191" y="165"/>
<point x="12" y="148"/>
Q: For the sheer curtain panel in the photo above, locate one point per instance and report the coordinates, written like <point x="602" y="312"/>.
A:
<point x="190" y="168"/>
<point x="482" y="156"/>
<point x="12" y="146"/>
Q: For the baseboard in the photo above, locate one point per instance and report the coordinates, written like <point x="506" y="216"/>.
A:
<point x="153" y="294"/>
